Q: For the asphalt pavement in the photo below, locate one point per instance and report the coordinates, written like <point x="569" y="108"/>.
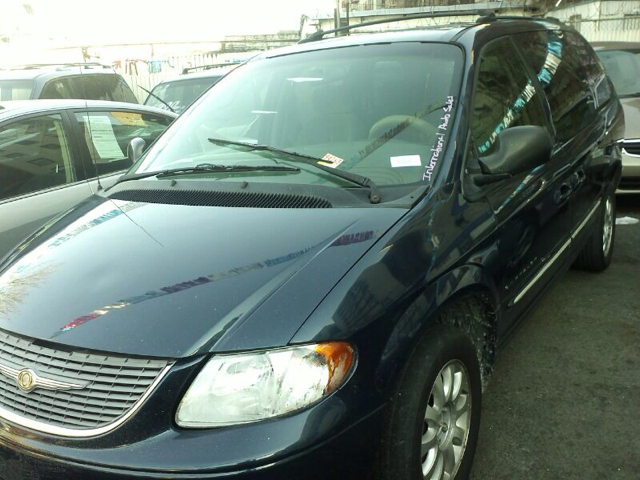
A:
<point x="564" y="400"/>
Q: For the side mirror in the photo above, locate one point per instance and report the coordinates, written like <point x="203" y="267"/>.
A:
<point x="135" y="149"/>
<point x="518" y="150"/>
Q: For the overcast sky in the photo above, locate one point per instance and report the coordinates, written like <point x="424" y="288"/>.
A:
<point x="101" y="21"/>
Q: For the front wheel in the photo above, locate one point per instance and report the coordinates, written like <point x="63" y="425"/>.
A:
<point x="433" y="425"/>
<point x="597" y="253"/>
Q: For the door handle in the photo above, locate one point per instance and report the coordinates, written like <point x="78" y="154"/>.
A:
<point x="563" y="193"/>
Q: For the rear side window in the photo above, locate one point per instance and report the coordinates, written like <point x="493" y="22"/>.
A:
<point x="570" y="74"/>
<point x="15" y="90"/>
<point x="107" y="135"/>
<point x="504" y="96"/>
<point x="109" y="87"/>
<point x="34" y="156"/>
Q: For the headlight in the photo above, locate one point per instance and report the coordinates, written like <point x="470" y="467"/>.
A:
<point x="249" y="387"/>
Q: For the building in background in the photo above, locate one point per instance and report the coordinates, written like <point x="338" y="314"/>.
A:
<point x="597" y="20"/>
<point x="601" y="20"/>
<point x="360" y="11"/>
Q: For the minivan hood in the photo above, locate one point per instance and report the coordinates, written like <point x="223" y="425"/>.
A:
<point x="631" y="107"/>
<point x="172" y="280"/>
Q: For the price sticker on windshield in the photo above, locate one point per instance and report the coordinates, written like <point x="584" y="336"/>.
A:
<point x="331" y="160"/>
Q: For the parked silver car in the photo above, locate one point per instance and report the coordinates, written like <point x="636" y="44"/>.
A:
<point x="53" y="151"/>
<point x="91" y="81"/>
<point x="622" y="63"/>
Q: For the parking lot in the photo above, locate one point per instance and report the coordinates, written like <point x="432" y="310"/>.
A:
<point x="564" y="400"/>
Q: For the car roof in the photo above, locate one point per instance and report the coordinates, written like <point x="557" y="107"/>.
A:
<point x="445" y="33"/>
<point x="603" y="46"/>
<point x="32" y="72"/>
<point x="428" y="34"/>
<point x="24" y="107"/>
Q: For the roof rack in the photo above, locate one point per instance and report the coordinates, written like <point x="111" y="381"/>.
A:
<point x="485" y="17"/>
<point x="492" y="17"/>
<point x="319" y="35"/>
<point x="34" y="66"/>
<point x="208" y="67"/>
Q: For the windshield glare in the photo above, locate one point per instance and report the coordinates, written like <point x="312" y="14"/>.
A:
<point x="623" y="67"/>
<point x="381" y="111"/>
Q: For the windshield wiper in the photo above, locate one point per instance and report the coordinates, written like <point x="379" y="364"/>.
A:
<point x="361" y="180"/>
<point x="209" y="168"/>
<point x="158" y="98"/>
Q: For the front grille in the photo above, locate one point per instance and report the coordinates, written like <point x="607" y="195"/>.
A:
<point x="632" y="148"/>
<point x="114" y="386"/>
<point x="629" y="183"/>
<point x="222" y="199"/>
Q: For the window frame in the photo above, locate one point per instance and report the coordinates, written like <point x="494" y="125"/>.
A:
<point x="472" y="192"/>
<point x="73" y="151"/>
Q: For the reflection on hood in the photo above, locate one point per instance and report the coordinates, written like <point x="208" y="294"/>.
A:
<point x="343" y="240"/>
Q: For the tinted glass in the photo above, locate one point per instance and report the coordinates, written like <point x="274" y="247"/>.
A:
<point x="15" y="90"/>
<point x="504" y="97"/>
<point x="34" y="155"/>
<point x="108" y="134"/>
<point x="571" y="76"/>
<point x="380" y="111"/>
<point x="109" y="87"/>
<point x="623" y="67"/>
<point x="180" y="94"/>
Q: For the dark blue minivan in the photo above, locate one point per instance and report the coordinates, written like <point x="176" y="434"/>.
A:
<point x="309" y="274"/>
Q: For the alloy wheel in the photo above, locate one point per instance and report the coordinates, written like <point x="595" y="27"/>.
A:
<point x="447" y="422"/>
<point x="607" y="231"/>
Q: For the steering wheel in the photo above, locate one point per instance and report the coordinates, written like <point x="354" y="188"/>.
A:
<point x="419" y="128"/>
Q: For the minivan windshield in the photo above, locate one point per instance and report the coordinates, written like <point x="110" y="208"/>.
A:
<point x="179" y="94"/>
<point x="382" y="111"/>
<point x="623" y="68"/>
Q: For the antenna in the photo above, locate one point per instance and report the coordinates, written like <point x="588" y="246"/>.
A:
<point x="86" y="106"/>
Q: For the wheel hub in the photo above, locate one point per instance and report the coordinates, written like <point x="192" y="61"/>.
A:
<point x="447" y="422"/>
<point x="607" y="231"/>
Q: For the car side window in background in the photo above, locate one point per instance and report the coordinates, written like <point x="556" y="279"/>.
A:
<point x="34" y="156"/>
<point x="110" y="87"/>
<point x="15" y="89"/>
<point x="571" y="76"/>
<point x="58" y="89"/>
<point x="504" y="96"/>
<point x="107" y="135"/>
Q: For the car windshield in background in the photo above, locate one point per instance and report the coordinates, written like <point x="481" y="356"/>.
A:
<point x="623" y="67"/>
<point x="15" y="90"/>
<point x="380" y="111"/>
<point x="179" y="94"/>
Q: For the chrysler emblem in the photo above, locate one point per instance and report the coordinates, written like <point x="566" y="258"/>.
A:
<point x="28" y="380"/>
<point x="25" y="380"/>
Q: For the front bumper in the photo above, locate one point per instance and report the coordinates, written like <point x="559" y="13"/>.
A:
<point x="342" y="457"/>
<point x="337" y="438"/>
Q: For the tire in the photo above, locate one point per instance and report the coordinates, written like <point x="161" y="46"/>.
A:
<point x="597" y="253"/>
<point x="422" y="389"/>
